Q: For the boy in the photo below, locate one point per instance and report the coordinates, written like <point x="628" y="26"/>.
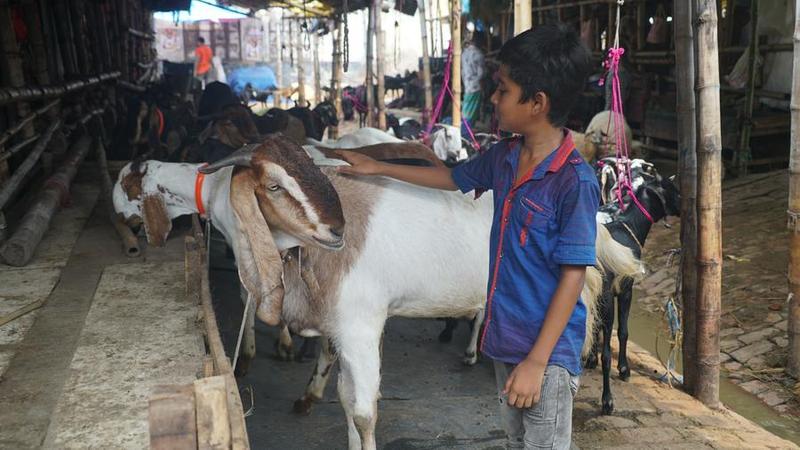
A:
<point x="202" y="63"/>
<point x="543" y="234"/>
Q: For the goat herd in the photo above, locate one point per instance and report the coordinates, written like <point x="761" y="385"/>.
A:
<point x="311" y="245"/>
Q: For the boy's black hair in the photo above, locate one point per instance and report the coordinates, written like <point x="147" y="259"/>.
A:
<point x="201" y="40"/>
<point x="550" y="59"/>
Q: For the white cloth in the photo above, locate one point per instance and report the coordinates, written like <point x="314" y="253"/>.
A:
<point x="472" y="69"/>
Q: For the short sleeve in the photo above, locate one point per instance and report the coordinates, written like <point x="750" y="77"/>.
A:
<point x="477" y="173"/>
<point x="578" y="225"/>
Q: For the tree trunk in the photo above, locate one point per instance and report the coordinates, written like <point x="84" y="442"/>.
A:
<point x="380" y="53"/>
<point x="426" y="66"/>
<point x="794" y="210"/>
<point x="709" y="205"/>
<point x="687" y="163"/>
<point x="455" y="41"/>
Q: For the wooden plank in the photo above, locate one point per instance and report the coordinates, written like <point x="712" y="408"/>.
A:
<point x="21" y="311"/>
<point x="239" y="440"/>
<point x="213" y="424"/>
<point x="171" y="418"/>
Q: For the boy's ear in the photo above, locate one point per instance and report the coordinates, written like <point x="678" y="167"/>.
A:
<point x="540" y="104"/>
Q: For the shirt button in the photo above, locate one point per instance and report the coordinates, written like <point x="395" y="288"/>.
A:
<point x="501" y="256"/>
<point x="505" y="220"/>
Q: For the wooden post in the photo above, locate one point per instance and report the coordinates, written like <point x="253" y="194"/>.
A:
<point x="301" y="69"/>
<point x="336" y="76"/>
<point x="277" y="98"/>
<point x="455" y="41"/>
<point x="640" y="28"/>
<point x="743" y="154"/>
<point x="709" y="205"/>
<point x="370" y="76"/>
<point x="317" y="81"/>
<point x="611" y="25"/>
<point x="380" y="52"/>
<point x="523" y="16"/>
<point x="793" y="330"/>
<point x="426" y="66"/>
<point x="687" y="163"/>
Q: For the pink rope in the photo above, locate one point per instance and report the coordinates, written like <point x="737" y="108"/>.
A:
<point x="623" y="161"/>
<point x="356" y="102"/>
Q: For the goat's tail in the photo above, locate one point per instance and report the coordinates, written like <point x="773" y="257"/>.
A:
<point x="616" y="259"/>
<point x="592" y="289"/>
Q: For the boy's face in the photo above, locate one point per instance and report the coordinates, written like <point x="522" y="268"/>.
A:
<point x="512" y="115"/>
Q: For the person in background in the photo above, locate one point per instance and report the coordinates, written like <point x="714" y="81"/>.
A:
<point x="472" y="71"/>
<point x="202" y="62"/>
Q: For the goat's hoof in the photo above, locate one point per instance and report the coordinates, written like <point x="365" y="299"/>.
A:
<point x="303" y="405"/>
<point x="285" y="352"/>
<point x="625" y="373"/>
<point x="591" y="362"/>
<point x="608" y="408"/>
<point x="242" y="366"/>
<point x="470" y="358"/>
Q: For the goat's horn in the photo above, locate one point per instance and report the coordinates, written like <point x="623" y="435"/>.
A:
<point x="241" y="157"/>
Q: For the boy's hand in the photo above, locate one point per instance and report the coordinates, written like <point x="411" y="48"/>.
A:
<point x="359" y="164"/>
<point x="524" y="385"/>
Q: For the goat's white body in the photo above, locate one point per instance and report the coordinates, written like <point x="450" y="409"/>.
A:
<point x="359" y="138"/>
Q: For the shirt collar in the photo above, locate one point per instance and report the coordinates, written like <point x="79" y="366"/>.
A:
<point x="552" y="163"/>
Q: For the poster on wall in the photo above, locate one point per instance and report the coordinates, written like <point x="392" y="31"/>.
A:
<point x="169" y="41"/>
<point x="252" y="40"/>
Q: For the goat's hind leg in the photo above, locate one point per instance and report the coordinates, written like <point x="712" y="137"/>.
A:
<point x="319" y="379"/>
<point x="624" y="299"/>
<point x="607" y="317"/>
<point x="471" y="354"/>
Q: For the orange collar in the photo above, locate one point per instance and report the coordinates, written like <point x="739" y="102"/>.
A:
<point x="198" y="191"/>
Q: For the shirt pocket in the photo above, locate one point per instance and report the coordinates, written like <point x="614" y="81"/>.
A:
<point x="534" y="217"/>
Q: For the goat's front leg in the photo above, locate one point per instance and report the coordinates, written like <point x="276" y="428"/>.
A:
<point x="471" y="355"/>
<point x="624" y="299"/>
<point x="284" y="345"/>
<point x="319" y="379"/>
<point x="248" y="349"/>
<point x="591" y="359"/>
<point x="359" y="381"/>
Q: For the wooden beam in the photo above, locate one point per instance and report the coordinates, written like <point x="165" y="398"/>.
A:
<point x="793" y="330"/>
<point x="279" y="63"/>
<point x="315" y="62"/>
<point x="15" y="182"/>
<point x="213" y="425"/>
<point x="171" y="418"/>
<point x="11" y="61"/>
<point x="687" y="171"/>
<point x="370" y="76"/>
<point x="709" y="205"/>
<point x="301" y="67"/>
<point x="336" y="75"/>
<point x="455" y="41"/>
<point x="380" y="57"/>
<point x="426" y="66"/>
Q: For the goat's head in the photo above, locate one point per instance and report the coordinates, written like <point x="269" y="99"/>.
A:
<point x="660" y="196"/>
<point x="294" y="196"/>
<point x="327" y="113"/>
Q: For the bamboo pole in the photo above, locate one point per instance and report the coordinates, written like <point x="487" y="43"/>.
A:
<point x="301" y="67"/>
<point x="25" y="121"/>
<point x="317" y="80"/>
<point x="709" y="205"/>
<point x="523" y="16"/>
<point x="19" y="249"/>
<point x="743" y="153"/>
<point x="380" y="53"/>
<point x="426" y="66"/>
<point x="14" y="183"/>
<point x="370" y="76"/>
<point x="35" y="93"/>
<point x="793" y="330"/>
<point x="455" y="26"/>
<point x="279" y="62"/>
<point x="37" y="42"/>
<point x="336" y="76"/>
<point x="687" y="170"/>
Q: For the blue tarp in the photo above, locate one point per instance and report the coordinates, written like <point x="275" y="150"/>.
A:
<point x="261" y="77"/>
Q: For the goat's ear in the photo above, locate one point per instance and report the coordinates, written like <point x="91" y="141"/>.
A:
<point x="257" y="256"/>
<point x="157" y="224"/>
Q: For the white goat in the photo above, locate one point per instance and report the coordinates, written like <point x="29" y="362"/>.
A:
<point x="359" y="287"/>
<point x="359" y="138"/>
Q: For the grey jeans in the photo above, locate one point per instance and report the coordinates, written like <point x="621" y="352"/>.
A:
<point x="548" y="423"/>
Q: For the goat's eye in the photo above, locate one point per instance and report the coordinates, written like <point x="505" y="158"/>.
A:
<point x="273" y="187"/>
